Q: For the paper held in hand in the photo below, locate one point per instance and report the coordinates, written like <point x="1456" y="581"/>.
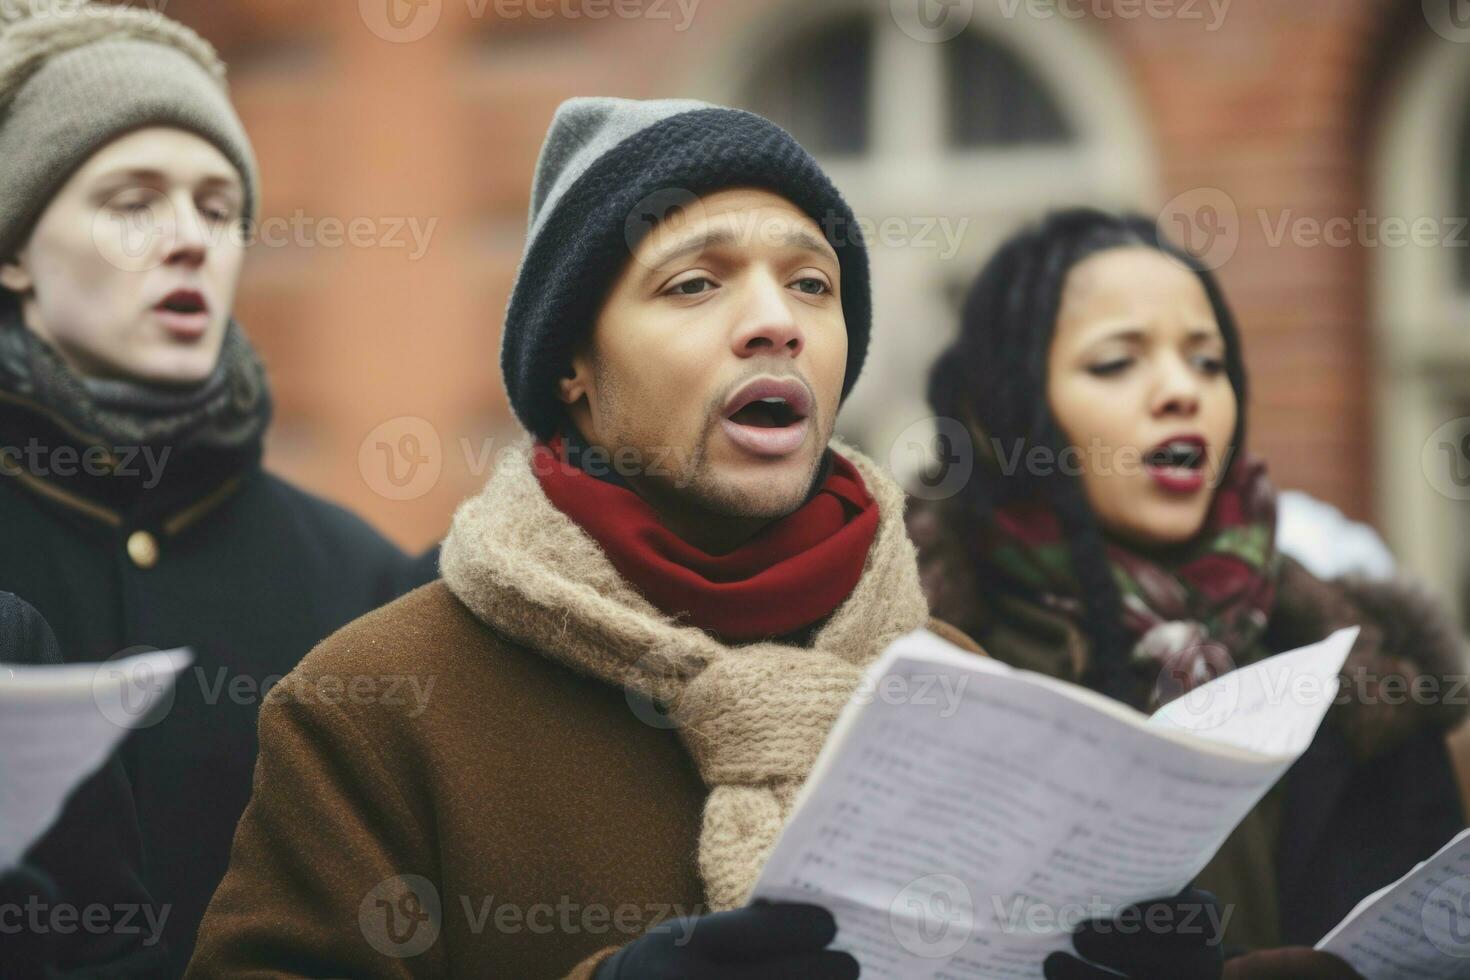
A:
<point x="1417" y="928"/>
<point x="964" y="817"/>
<point x="58" y="724"/>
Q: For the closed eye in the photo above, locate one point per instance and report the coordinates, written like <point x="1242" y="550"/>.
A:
<point x="217" y="211"/>
<point x="1110" y="368"/>
<point x="1210" y="365"/>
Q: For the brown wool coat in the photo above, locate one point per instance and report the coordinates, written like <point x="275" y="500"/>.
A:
<point x="546" y="815"/>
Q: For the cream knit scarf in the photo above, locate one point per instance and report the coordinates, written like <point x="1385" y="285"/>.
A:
<point x="752" y="717"/>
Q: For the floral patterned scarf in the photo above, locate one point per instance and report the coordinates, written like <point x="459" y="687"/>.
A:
<point x="1193" y="616"/>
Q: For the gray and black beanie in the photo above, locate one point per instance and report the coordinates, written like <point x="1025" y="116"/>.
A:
<point x="611" y="169"/>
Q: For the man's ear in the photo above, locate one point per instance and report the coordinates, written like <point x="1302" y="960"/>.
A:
<point x="572" y="387"/>
<point x="15" y="277"/>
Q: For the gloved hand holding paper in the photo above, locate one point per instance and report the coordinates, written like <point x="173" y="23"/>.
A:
<point x="964" y="817"/>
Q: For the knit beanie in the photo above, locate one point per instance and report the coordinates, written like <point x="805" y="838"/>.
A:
<point x="74" y="75"/>
<point x="610" y="170"/>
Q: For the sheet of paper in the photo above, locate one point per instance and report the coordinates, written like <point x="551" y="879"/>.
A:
<point x="58" y="725"/>
<point x="1417" y="928"/>
<point x="1261" y="707"/>
<point x="964" y="818"/>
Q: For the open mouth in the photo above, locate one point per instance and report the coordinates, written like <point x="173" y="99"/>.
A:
<point x="184" y="314"/>
<point x="768" y="417"/>
<point x="767" y="413"/>
<point x="184" y="301"/>
<point x="1178" y="465"/>
<point x="1179" y="454"/>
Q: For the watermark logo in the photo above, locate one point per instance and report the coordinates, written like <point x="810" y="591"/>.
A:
<point x="401" y="916"/>
<point x="138" y="229"/>
<point x="1205" y="223"/>
<point x="1445" y="459"/>
<point x="941" y="691"/>
<point x="133" y="694"/>
<point x="401" y="21"/>
<point x="1210" y="14"/>
<point x="666" y="215"/>
<point x="933" y="21"/>
<point x="1197" y="682"/>
<point x="933" y="916"/>
<point x="939" y="452"/>
<point x="402" y="458"/>
<point x="11" y="10"/>
<point x="36" y="917"/>
<point x="1446" y="917"/>
<point x="654" y="674"/>
<point x="135" y="229"/>
<point x="1450" y="19"/>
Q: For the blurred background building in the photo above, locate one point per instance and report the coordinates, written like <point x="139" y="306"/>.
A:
<point x="1317" y="152"/>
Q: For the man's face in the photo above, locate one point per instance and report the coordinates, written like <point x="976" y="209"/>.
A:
<point x="132" y="268"/>
<point x="718" y="359"/>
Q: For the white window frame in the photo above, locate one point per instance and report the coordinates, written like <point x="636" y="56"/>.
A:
<point x="1420" y="314"/>
<point x="909" y="172"/>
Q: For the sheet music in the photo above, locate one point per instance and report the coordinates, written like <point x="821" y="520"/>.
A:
<point x="1417" y="928"/>
<point x="58" y="725"/>
<point x="968" y="839"/>
<point x="1258" y="708"/>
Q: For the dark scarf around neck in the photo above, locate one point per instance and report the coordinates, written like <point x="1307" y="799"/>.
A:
<point x="227" y="410"/>
<point x="165" y="446"/>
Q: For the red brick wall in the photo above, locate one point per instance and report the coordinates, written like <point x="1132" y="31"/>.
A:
<point x="1270" y="109"/>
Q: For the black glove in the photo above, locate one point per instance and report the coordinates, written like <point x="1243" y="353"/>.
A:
<point x="764" y="941"/>
<point x="24" y="954"/>
<point x="1290" y="963"/>
<point x="1170" y="939"/>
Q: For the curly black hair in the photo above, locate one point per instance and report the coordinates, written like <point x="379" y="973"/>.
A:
<point x="993" y="379"/>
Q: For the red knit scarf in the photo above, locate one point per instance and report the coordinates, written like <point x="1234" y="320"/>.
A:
<point x="791" y="575"/>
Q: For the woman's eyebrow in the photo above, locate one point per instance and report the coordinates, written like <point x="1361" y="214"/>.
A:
<point x="1205" y="335"/>
<point x="1127" y="331"/>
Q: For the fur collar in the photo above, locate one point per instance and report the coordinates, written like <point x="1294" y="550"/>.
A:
<point x="1407" y="672"/>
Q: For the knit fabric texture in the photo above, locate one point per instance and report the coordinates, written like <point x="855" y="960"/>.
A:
<point x="76" y="75"/>
<point x="752" y="717"/>
<point x="611" y="170"/>
<point x="230" y="409"/>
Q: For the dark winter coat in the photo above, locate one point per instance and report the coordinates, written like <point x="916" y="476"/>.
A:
<point x="208" y="551"/>
<point x="90" y="857"/>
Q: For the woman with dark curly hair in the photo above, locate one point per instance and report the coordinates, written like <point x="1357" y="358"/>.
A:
<point x="1116" y="534"/>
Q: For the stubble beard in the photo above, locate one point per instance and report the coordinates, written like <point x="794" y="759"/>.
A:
<point x="684" y="477"/>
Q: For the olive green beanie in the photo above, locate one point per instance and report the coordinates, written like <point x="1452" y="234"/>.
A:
<point x="75" y="75"/>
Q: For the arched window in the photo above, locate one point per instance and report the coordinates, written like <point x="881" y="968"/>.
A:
<point x="993" y="99"/>
<point x="818" y="85"/>
<point x="942" y="145"/>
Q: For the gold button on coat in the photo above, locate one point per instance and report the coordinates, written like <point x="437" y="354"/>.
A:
<point x="143" y="549"/>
